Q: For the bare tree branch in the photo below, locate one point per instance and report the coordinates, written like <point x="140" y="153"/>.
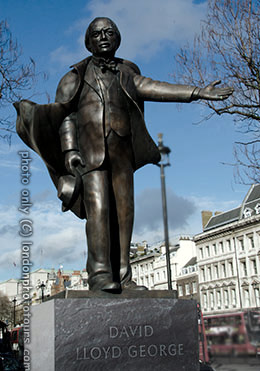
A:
<point x="228" y="47"/>
<point x="5" y="308"/>
<point x="15" y="76"/>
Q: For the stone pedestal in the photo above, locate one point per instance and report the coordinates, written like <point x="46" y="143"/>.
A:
<point x="115" y="333"/>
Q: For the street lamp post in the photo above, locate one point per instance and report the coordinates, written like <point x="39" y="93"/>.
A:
<point x="42" y="287"/>
<point x="165" y="151"/>
<point x="14" y="301"/>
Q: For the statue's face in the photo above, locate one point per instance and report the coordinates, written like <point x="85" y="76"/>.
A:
<point x="103" y="39"/>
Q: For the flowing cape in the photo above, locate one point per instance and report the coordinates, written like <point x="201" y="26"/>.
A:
<point x="38" y="126"/>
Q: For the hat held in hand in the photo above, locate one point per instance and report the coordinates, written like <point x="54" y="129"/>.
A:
<point x="69" y="187"/>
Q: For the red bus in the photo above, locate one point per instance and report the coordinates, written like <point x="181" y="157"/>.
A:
<point x="203" y="347"/>
<point x="233" y="334"/>
<point x="16" y="336"/>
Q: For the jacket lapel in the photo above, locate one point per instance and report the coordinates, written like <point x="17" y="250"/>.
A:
<point x="124" y="77"/>
<point x="91" y="79"/>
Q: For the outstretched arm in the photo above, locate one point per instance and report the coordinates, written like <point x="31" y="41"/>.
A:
<point x="157" y="91"/>
<point x="210" y="92"/>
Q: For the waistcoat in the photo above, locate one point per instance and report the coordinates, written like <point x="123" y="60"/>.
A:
<point x="103" y="99"/>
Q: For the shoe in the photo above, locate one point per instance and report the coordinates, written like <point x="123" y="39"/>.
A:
<point x="131" y="285"/>
<point x="113" y="287"/>
<point x="106" y="285"/>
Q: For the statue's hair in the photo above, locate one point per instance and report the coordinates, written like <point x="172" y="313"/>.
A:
<point x="87" y="34"/>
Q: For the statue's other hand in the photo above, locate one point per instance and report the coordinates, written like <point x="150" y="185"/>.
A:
<point x="210" y="92"/>
<point x="72" y="160"/>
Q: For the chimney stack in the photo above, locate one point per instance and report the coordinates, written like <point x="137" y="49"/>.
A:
<point x="205" y="215"/>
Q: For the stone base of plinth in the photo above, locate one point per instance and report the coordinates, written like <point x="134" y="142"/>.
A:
<point x="115" y="333"/>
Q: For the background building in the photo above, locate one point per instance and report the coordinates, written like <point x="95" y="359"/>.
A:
<point x="12" y="288"/>
<point x="228" y="253"/>
<point x="149" y="267"/>
<point x="187" y="281"/>
<point x="53" y="281"/>
<point x="220" y="267"/>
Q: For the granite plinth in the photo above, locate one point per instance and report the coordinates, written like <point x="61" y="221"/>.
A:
<point x="114" y="334"/>
<point x="125" y="294"/>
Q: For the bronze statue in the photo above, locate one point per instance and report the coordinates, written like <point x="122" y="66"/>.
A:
<point x="93" y="138"/>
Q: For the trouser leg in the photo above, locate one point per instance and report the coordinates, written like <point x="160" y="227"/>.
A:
<point x="96" y="200"/>
<point x="121" y="162"/>
<point x="123" y="190"/>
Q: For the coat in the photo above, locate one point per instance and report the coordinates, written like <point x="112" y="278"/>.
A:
<point x="39" y="125"/>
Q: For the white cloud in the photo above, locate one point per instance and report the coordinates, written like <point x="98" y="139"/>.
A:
<point x="211" y="204"/>
<point x="57" y="238"/>
<point x="65" y="57"/>
<point x="9" y="164"/>
<point x="188" y="210"/>
<point x="145" y="26"/>
<point x="207" y="203"/>
<point x="11" y="159"/>
<point x="149" y="210"/>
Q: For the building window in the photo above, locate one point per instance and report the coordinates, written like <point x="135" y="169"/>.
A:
<point x="254" y="266"/>
<point x="243" y="268"/>
<point x="207" y="251"/>
<point x="246" y="298"/>
<point x="212" y="302"/>
<point x="229" y="248"/>
<point x="241" y="244"/>
<point x="216" y="271"/>
<point x="231" y="268"/>
<point x="158" y="276"/>
<point x="215" y="249"/>
<point x="218" y="299"/>
<point x="187" y="289"/>
<point x="194" y="287"/>
<point x="247" y="212"/>
<point x="257" y="297"/>
<point x="251" y="242"/>
<point x="233" y="297"/>
<point x="209" y="273"/>
<point x="205" y="301"/>
<point x="221" y="247"/>
<point x="180" y="289"/>
<point x="223" y="270"/>
<point x="257" y="209"/>
<point x="226" y="298"/>
<point x="201" y="252"/>
<point x="202" y="274"/>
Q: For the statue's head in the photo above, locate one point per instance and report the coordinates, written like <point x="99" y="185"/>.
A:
<point x="102" y="37"/>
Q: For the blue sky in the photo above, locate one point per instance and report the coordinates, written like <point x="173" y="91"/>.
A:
<point x="52" y="33"/>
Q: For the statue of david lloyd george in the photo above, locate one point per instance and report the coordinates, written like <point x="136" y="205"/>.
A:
<point x="93" y="138"/>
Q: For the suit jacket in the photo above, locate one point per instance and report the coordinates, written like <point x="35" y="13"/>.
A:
<point x="51" y="129"/>
<point x="137" y="89"/>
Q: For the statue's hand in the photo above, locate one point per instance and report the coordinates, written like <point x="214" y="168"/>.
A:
<point x="210" y="92"/>
<point x="72" y="160"/>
